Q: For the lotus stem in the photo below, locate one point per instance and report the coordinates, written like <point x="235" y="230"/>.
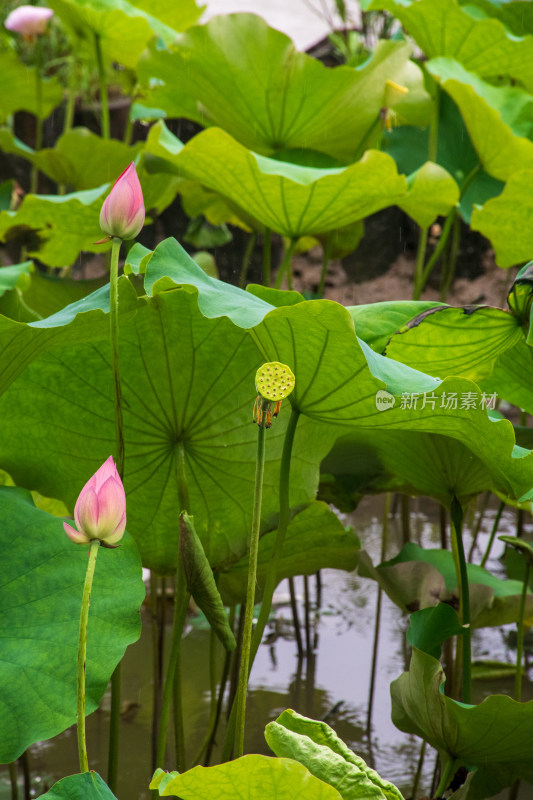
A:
<point x="267" y="256"/>
<point x="114" y="722"/>
<point x="326" y="255"/>
<point x="250" y="591"/>
<point x="38" y="117"/>
<point x="285" y="264"/>
<point x="479" y="521"/>
<point x="221" y="691"/>
<point x="82" y="654"/>
<point x="446" y="777"/>
<point x="181" y="604"/>
<point x="296" y="620"/>
<point x="104" y="103"/>
<point x="456" y="513"/>
<point x="252" y="239"/>
<point x="13" y="779"/>
<point x="520" y="636"/>
<point x="283" y="523"/>
<point x="373" y="670"/>
<point x="419" y="264"/>
<point x="493" y="533"/>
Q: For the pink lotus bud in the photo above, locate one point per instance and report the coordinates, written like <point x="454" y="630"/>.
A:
<point x="30" y="21"/>
<point x="100" y="510"/>
<point x="122" y="214"/>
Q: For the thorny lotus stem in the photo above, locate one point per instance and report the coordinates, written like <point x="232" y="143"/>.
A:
<point x="113" y="332"/>
<point x="250" y="591"/>
<point x="39" y="108"/>
<point x="104" y="104"/>
<point x="114" y="723"/>
<point x="456" y="513"/>
<point x="82" y="654"/>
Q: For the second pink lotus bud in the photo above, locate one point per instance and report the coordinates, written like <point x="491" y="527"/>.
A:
<point x="122" y="214"/>
<point x="30" y="21"/>
<point x="100" y="511"/>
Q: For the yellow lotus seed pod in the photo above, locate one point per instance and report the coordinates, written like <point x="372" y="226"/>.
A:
<point x="274" y="381"/>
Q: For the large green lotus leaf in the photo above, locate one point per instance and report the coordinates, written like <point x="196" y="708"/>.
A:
<point x="85" y="786"/>
<point x="315" y="539"/>
<point x="456" y="341"/>
<point x="411" y="462"/>
<point x="16" y="275"/>
<point x="515" y="14"/>
<point x="10" y="144"/>
<point x="187" y="381"/>
<point x="339" y="376"/>
<point x="177" y="16"/>
<point x="195" y="198"/>
<point x="506" y="220"/>
<point x="498" y="119"/>
<point x="430" y="627"/>
<point x="61" y="226"/>
<point x="46" y="294"/>
<point x="375" y="323"/>
<point x="493" y="736"/>
<point x="419" y="578"/>
<point x="171" y="266"/>
<point x="484" y="46"/>
<point x="40" y="600"/>
<point x="84" y="160"/>
<point x="315" y="745"/>
<point x="84" y="321"/>
<point x="432" y="193"/>
<point x="124" y="28"/>
<point x="18" y="88"/>
<point x="512" y="377"/>
<point x="251" y="777"/>
<point x="288" y="198"/>
<point x="272" y="107"/>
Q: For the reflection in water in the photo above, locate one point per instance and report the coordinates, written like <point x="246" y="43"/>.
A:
<point x="330" y="683"/>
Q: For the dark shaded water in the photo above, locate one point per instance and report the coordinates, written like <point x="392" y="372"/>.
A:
<point x="334" y="684"/>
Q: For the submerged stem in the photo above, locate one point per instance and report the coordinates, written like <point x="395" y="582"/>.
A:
<point x="250" y="591"/>
<point x="82" y="653"/>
